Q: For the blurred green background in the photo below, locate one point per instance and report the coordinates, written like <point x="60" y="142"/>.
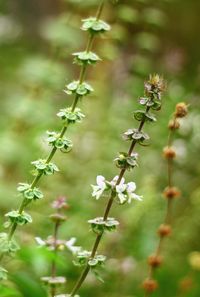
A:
<point x="37" y="39"/>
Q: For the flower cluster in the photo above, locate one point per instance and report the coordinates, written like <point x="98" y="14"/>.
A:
<point x="154" y="88"/>
<point x="124" y="192"/>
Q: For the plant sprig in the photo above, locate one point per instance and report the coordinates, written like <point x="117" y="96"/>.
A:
<point x="170" y="193"/>
<point x="118" y="189"/>
<point x="57" y="140"/>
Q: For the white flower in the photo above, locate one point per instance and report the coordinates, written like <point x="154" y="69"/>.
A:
<point x="100" y="187"/>
<point x="115" y="179"/>
<point x="131" y="187"/>
<point x="125" y="192"/>
<point x="70" y="245"/>
<point x="40" y="241"/>
<point x="121" y="192"/>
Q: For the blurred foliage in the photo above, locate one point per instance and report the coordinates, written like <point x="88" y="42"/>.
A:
<point x="37" y="39"/>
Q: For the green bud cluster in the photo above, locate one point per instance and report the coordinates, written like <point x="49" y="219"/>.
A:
<point x="84" y="257"/>
<point x="99" y="225"/>
<point x="124" y="161"/>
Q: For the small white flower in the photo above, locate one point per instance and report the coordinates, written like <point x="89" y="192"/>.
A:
<point x="40" y="241"/>
<point x="125" y="192"/>
<point x="131" y="187"/>
<point x="71" y="247"/>
<point x="121" y="192"/>
<point x="115" y="179"/>
<point x="100" y="187"/>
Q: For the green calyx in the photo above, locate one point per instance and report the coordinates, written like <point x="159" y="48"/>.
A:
<point x="95" y="26"/>
<point x="42" y="167"/>
<point x="18" y="218"/>
<point x="84" y="257"/>
<point x="7" y="245"/>
<point x="135" y="134"/>
<point x="29" y="192"/>
<point x="99" y="225"/>
<point x="70" y="116"/>
<point x="3" y="273"/>
<point x="124" y="161"/>
<point x="81" y="89"/>
<point x="141" y="115"/>
<point x="56" y="141"/>
<point x="86" y="58"/>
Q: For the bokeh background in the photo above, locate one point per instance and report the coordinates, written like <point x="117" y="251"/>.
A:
<point x="37" y="39"/>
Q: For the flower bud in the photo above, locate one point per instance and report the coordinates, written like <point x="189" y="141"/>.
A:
<point x="171" y="192"/>
<point x="57" y="217"/>
<point x="169" y="153"/>
<point x="154" y="261"/>
<point x="150" y="285"/>
<point x="181" y="110"/>
<point x="164" y="230"/>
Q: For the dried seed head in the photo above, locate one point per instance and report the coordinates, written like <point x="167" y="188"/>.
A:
<point x="150" y="285"/>
<point x="181" y="110"/>
<point x="173" y="124"/>
<point x="154" y="261"/>
<point x="171" y="192"/>
<point x="169" y="153"/>
<point x="164" y="230"/>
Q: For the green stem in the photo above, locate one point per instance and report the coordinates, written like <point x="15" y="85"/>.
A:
<point x="106" y="213"/>
<point x="53" y="264"/>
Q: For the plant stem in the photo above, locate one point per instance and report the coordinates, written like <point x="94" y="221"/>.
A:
<point x="167" y="219"/>
<point x="62" y="132"/>
<point x="53" y="264"/>
<point x="106" y="213"/>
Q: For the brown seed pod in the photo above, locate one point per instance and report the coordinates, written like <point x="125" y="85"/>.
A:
<point x="164" y="230"/>
<point x="154" y="261"/>
<point x="171" y="192"/>
<point x="150" y="285"/>
<point x="173" y="124"/>
<point x="169" y="153"/>
<point x="181" y="110"/>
